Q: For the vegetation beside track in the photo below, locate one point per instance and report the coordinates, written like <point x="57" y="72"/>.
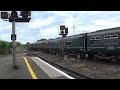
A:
<point x="6" y="47"/>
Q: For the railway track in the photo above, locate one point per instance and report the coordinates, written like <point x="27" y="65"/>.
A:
<point x="70" y="72"/>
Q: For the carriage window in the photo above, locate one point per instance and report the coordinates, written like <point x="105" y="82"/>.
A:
<point x="99" y="37"/>
<point x="114" y="36"/>
<point x="113" y="39"/>
<point x="96" y="40"/>
<point x="92" y="38"/>
<point x="106" y="37"/>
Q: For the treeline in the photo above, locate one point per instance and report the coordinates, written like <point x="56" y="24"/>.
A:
<point x="6" y="47"/>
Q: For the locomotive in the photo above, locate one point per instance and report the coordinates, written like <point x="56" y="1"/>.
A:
<point x="98" y="44"/>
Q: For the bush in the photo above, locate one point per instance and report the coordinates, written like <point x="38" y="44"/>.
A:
<point x="5" y="47"/>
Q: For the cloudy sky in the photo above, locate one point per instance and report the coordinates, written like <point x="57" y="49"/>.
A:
<point x="45" y="24"/>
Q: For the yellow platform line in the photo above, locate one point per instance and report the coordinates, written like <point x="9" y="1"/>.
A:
<point x="30" y="69"/>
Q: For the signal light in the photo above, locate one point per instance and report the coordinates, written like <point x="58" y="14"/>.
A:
<point x="25" y="14"/>
<point x="66" y="30"/>
<point x="62" y="27"/>
<point x="61" y="32"/>
<point x="14" y="14"/>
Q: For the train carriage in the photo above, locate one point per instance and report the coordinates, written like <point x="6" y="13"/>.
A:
<point x="74" y="44"/>
<point x="54" y="45"/>
<point x="104" y="42"/>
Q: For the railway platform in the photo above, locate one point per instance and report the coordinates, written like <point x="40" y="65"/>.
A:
<point x="28" y="68"/>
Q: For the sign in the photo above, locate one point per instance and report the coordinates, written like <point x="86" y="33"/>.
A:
<point x="13" y="37"/>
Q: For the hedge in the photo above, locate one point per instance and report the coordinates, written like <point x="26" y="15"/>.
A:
<point x="5" y="47"/>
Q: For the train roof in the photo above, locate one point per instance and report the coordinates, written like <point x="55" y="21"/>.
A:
<point x="59" y="38"/>
<point x="103" y="31"/>
<point x="68" y="37"/>
<point x="115" y="29"/>
<point x="74" y="36"/>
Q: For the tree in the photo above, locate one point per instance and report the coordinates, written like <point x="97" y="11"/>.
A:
<point x="19" y="44"/>
<point x="41" y="40"/>
<point x="4" y="47"/>
<point x="27" y="43"/>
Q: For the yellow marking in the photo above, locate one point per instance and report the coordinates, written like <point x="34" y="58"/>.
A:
<point x="30" y="69"/>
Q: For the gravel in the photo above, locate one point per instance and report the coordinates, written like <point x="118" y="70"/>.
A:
<point x="94" y="68"/>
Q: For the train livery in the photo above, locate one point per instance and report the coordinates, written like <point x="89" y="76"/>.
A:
<point x="101" y="43"/>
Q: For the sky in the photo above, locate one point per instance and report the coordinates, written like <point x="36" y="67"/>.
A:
<point x="45" y="24"/>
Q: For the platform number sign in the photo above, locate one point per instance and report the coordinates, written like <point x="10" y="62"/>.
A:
<point x="13" y="37"/>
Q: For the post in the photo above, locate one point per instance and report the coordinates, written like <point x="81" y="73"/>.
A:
<point x="65" y="58"/>
<point x="62" y="45"/>
<point x="85" y="49"/>
<point x="13" y="46"/>
<point x="78" y="57"/>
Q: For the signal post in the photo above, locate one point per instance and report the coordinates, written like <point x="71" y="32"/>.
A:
<point x="63" y="32"/>
<point x="15" y="18"/>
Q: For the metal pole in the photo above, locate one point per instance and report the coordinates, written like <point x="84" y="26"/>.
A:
<point x="85" y="50"/>
<point x="13" y="45"/>
<point x="62" y="44"/>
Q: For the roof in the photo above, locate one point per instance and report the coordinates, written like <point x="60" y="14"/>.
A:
<point x="104" y="31"/>
<point x="108" y="29"/>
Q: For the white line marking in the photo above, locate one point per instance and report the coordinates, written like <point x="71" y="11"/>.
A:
<point x="56" y="69"/>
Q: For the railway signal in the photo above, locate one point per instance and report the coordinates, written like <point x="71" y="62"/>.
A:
<point x="25" y="14"/>
<point x="62" y="27"/>
<point x="14" y="14"/>
<point x="63" y="32"/>
<point x="66" y="30"/>
<point x="15" y="18"/>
